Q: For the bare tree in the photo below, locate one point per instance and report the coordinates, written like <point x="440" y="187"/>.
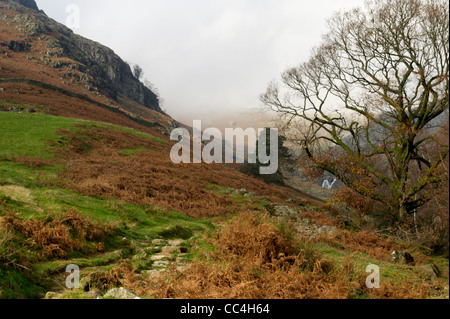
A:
<point x="137" y="71"/>
<point x="155" y="90"/>
<point x="371" y="90"/>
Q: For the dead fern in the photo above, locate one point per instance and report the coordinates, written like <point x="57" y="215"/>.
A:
<point x="60" y="235"/>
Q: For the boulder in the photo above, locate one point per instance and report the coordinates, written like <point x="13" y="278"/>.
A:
<point x="329" y="230"/>
<point x="120" y="293"/>
<point x="93" y="294"/>
<point x="402" y="257"/>
<point x="241" y="191"/>
<point x="286" y="211"/>
<point x="431" y="270"/>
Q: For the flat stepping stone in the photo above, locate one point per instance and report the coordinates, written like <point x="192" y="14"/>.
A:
<point x="159" y="257"/>
<point x="161" y="264"/>
<point x="121" y="293"/>
<point x="176" y="242"/>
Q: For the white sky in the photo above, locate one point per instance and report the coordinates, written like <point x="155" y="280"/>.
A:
<point x="209" y="59"/>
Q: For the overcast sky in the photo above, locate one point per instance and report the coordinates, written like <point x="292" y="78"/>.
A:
<point x="208" y="58"/>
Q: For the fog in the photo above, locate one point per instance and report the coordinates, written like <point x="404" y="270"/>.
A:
<point x="209" y="60"/>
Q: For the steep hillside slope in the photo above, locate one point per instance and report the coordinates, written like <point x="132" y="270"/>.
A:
<point x="43" y="54"/>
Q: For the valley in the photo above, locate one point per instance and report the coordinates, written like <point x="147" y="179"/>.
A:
<point x="86" y="179"/>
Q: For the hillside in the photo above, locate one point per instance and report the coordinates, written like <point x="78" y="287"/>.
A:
<point x="107" y="199"/>
<point x="86" y="179"/>
<point x="41" y="59"/>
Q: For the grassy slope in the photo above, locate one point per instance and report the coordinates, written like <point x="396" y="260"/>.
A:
<point x="21" y="192"/>
<point x="27" y="191"/>
<point x="25" y="135"/>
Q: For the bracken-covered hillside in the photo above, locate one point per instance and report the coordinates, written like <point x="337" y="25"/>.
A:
<point x="39" y="55"/>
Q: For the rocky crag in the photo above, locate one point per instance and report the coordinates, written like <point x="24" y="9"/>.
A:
<point x="88" y="64"/>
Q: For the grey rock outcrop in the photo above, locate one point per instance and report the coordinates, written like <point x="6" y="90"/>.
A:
<point x="402" y="257"/>
<point x="120" y="293"/>
<point x="16" y="46"/>
<point x="111" y="75"/>
<point x="108" y="73"/>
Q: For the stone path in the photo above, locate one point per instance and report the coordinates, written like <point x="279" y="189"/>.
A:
<point x="163" y="254"/>
<point x="169" y="251"/>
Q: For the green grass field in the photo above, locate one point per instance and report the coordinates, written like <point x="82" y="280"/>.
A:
<point x="29" y="134"/>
